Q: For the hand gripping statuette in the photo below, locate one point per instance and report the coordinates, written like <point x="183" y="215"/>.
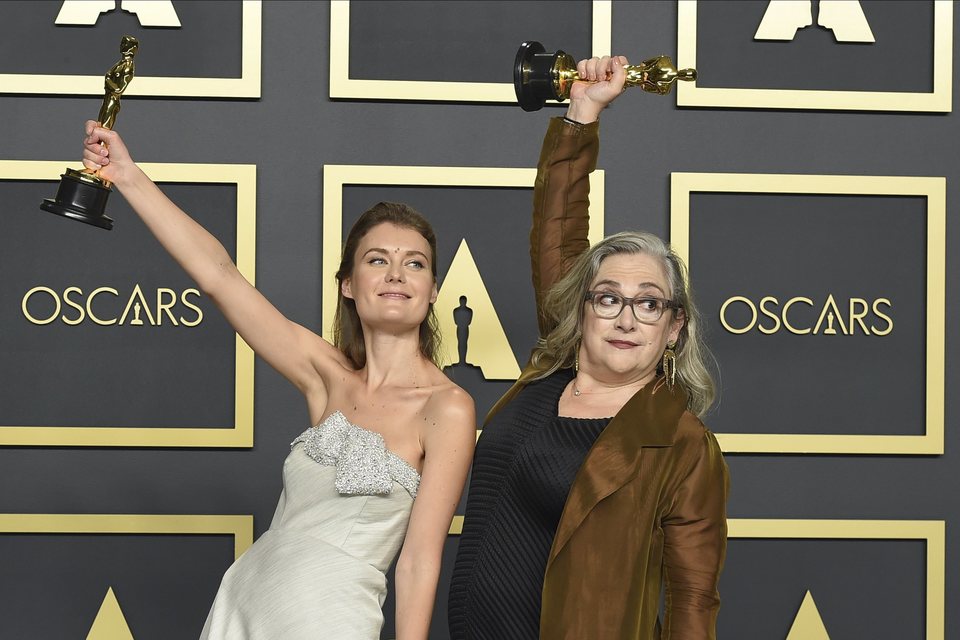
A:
<point x="82" y="194"/>
<point x="539" y="76"/>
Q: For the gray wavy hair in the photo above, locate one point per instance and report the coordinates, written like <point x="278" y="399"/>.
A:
<point x="564" y="308"/>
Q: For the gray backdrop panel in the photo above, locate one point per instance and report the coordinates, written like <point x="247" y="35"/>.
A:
<point x="295" y="129"/>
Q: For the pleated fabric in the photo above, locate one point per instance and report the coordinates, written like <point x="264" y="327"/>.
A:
<point x="524" y="465"/>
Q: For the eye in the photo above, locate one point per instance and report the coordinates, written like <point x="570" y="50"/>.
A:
<point x="607" y="299"/>
<point x="376" y="260"/>
<point x="647" y="304"/>
<point x="416" y="264"/>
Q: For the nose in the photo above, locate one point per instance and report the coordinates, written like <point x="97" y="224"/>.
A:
<point x="395" y="273"/>
<point x="627" y="321"/>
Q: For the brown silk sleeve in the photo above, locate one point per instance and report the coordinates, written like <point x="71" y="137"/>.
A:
<point x="695" y="542"/>
<point x="560" y="204"/>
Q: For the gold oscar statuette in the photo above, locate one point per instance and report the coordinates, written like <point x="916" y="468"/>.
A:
<point x="539" y="76"/>
<point x="82" y="194"/>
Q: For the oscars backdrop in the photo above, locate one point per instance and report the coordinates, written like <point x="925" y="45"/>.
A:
<point x="807" y="176"/>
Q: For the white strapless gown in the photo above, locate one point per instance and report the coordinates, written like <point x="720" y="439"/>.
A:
<point x="318" y="572"/>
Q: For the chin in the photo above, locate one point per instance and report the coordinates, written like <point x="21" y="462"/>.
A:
<point x="631" y="370"/>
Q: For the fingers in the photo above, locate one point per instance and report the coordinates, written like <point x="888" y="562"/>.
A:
<point x="96" y="155"/>
<point x="601" y="68"/>
<point x="96" y="152"/>
<point x="593" y="69"/>
<point x="618" y="76"/>
<point x="97" y="134"/>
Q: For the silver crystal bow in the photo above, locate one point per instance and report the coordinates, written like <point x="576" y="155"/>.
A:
<point x="364" y="465"/>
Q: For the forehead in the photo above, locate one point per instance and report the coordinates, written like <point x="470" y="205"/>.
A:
<point x="632" y="270"/>
<point x="389" y="236"/>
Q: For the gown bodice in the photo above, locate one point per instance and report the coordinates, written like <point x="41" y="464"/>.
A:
<point x="342" y="485"/>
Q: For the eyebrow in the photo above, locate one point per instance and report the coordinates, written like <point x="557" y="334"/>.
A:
<point x="410" y="252"/>
<point x="617" y="285"/>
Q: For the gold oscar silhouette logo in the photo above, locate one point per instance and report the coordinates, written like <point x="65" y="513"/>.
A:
<point x="43" y="305"/>
<point x="150" y="13"/>
<point x="845" y="18"/>
<point x="740" y="314"/>
<point x="469" y="320"/>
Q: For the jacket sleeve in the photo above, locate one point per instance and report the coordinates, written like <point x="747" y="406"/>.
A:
<point x="695" y="541"/>
<point x="560" y="204"/>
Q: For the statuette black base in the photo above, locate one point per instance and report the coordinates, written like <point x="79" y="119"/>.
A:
<point x="81" y="198"/>
<point x="533" y="75"/>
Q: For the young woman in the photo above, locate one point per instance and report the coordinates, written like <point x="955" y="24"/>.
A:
<point x="390" y="427"/>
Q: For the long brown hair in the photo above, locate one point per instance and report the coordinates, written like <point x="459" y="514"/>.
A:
<point x="347" y="330"/>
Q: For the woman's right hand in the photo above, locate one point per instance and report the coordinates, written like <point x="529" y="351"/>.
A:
<point x="105" y="153"/>
<point x="606" y="77"/>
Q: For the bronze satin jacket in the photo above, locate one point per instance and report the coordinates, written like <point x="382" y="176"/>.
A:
<point x="648" y="506"/>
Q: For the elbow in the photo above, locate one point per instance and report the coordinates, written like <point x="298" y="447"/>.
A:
<point x="213" y="281"/>
<point x="411" y="569"/>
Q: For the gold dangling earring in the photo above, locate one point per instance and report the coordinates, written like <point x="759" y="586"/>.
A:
<point x="670" y="365"/>
<point x="576" y="369"/>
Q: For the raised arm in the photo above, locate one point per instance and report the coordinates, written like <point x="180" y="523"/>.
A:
<point x="294" y="351"/>
<point x="561" y="193"/>
<point x="448" y="443"/>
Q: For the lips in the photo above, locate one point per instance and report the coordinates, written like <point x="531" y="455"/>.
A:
<point x="394" y="295"/>
<point x="622" y="344"/>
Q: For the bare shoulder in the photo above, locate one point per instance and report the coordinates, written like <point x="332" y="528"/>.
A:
<point x="451" y="407"/>
<point x="450" y="420"/>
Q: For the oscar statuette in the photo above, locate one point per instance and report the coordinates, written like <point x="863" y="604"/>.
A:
<point x="82" y="195"/>
<point x="539" y="76"/>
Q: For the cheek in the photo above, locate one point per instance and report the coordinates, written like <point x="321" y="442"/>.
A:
<point x="592" y="329"/>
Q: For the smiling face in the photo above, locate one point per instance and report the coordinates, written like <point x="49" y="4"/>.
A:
<point x="392" y="283"/>
<point x="623" y="349"/>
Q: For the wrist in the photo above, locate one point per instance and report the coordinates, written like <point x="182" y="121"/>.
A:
<point x="583" y="111"/>
<point x="130" y="177"/>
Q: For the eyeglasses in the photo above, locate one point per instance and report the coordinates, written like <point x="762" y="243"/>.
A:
<point x="646" y="309"/>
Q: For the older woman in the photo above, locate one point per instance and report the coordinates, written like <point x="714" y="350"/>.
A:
<point x="576" y="520"/>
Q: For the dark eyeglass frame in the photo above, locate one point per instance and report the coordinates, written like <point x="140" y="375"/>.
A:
<point x="591" y="297"/>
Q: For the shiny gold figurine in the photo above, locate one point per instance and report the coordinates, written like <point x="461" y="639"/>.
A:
<point x="116" y="82"/>
<point x="540" y="76"/>
<point x="82" y="194"/>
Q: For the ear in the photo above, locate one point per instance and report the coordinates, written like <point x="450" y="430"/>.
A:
<point x="679" y="319"/>
<point x="434" y="293"/>
<point x="345" y="288"/>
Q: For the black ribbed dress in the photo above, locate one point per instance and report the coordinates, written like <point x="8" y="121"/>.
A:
<point x="524" y="465"/>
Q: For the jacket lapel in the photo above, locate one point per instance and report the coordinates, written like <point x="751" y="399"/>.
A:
<point x="648" y="419"/>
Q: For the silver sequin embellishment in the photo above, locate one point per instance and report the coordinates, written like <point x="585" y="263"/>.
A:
<point x="364" y="464"/>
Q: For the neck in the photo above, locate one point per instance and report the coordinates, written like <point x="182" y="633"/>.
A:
<point x="585" y="383"/>
<point x="392" y="358"/>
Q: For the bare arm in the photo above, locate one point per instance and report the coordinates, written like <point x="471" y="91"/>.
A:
<point x="561" y="202"/>
<point x="294" y="351"/>
<point x="448" y="447"/>
<point x="695" y="539"/>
